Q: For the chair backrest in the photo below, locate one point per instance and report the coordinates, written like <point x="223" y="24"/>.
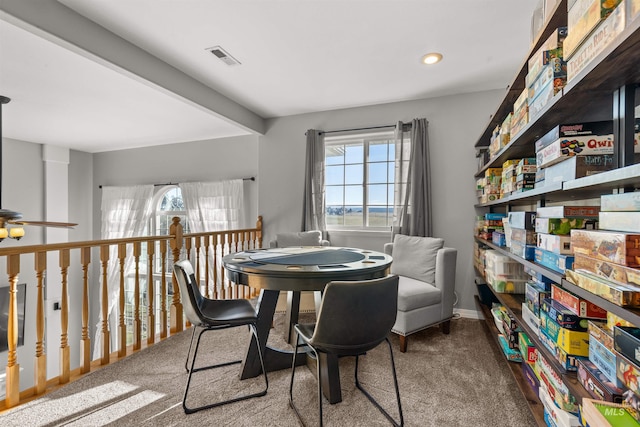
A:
<point x="189" y="291"/>
<point x="356" y="316"/>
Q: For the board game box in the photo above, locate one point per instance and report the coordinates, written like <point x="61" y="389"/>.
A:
<point x="571" y="130"/>
<point x="614" y="292"/>
<point x="618" y="247"/>
<point x="580" y="307"/>
<point x="620" y="202"/>
<point x="607" y="269"/>
<point x="568" y="211"/>
<point x="620" y="221"/>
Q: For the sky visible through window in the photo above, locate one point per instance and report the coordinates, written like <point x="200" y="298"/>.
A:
<point x="359" y="182"/>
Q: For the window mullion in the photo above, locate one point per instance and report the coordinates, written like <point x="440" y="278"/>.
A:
<point x="365" y="176"/>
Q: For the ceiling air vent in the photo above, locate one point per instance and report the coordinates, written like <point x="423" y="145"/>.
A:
<point x="223" y="55"/>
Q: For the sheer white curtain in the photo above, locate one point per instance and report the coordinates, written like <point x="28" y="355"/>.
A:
<point x="125" y="213"/>
<point x="214" y="206"/>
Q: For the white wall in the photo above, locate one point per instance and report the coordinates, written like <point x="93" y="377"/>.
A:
<point x="24" y="191"/>
<point x="211" y="160"/>
<point x="455" y="123"/>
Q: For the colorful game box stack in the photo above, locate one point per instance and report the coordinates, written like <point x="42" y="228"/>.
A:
<point x="526" y="174"/>
<point x="607" y="264"/>
<point x="592" y="25"/>
<point x="553" y="225"/>
<point x="520" y="115"/>
<point x="488" y="187"/>
<point x="607" y="261"/>
<point x="492" y="222"/>
<point x="501" y="136"/>
<point x="523" y="238"/>
<point x="509" y="331"/>
<point x="571" y="151"/>
<point x="547" y="72"/>
<point x="509" y="176"/>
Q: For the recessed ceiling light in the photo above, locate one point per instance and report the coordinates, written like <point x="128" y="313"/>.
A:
<point x="432" y="58"/>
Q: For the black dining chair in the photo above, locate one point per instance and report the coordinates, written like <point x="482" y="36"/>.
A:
<point x="209" y="315"/>
<point x="354" y="317"/>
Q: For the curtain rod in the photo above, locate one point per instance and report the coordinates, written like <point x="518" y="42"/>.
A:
<point x="251" y="178"/>
<point x="404" y="126"/>
<point x="367" y="128"/>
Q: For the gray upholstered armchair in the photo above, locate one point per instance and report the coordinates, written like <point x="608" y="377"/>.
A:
<point x="300" y="238"/>
<point x="427" y="272"/>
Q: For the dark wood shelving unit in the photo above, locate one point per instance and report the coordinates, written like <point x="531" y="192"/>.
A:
<point x="513" y="303"/>
<point x="537" y="410"/>
<point x="593" y="94"/>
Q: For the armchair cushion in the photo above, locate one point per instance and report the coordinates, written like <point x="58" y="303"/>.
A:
<point x="414" y="294"/>
<point x="415" y="257"/>
<point x="301" y="238"/>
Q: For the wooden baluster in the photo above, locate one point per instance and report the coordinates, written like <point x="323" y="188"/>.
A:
<point x="206" y="266"/>
<point x="252" y="245"/>
<point x="137" y="324"/>
<point x="65" y="359"/>
<point x="224" y="243"/>
<point x="122" y="327"/>
<point x="259" y="232"/>
<point x="164" y="326"/>
<point x="246" y="291"/>
<point x="238" y="244"/>
<point x="187" y="248"/>
<point x="40" y="374"/>
<point x="175" y="230"/>
<point x="12" y="385"/>
<point x="151" y="293"/>
<point x="215" y="265"/>
<point x="106" y="339"/>
<point x="85" y="342"/>
<point x="198" y="262"/>
<point x="236" y="238"/>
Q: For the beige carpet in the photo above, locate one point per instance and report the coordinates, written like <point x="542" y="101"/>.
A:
<point x="445" y="380"/>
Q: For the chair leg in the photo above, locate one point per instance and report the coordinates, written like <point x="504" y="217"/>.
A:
<point x="395" y="383"/>
<point x="293" y="370"/>
<point x="403" y="343"/>
<point x="186" y="362"/>
<point x="446" y="327"/>
<point x="193" y="370"/>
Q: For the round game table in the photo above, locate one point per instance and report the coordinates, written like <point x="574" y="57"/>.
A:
<point x="296" y="269"/>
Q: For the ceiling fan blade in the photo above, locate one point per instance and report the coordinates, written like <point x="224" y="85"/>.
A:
<point x="43" y="223"/>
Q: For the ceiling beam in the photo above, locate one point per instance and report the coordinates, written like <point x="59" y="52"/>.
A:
<point x="65" y="27"/>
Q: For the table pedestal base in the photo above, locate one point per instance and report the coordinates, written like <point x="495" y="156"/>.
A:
<point x="276" y="359"/>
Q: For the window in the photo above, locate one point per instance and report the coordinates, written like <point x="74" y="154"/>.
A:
<point x="167" y="204"/>
<point x="360" y="181"/>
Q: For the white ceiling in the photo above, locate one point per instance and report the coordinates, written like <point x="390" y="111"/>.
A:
<point x="90" y="88"/>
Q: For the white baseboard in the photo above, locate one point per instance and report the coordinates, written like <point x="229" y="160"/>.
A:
<point x="469" y="314"/>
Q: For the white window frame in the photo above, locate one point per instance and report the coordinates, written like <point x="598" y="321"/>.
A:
<point x="365" y="139"/>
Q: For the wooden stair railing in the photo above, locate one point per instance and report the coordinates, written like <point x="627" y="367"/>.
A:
<point x="206" y="249"/>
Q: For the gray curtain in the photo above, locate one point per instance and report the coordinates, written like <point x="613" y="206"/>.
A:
<point x="413" y="181"/>
<point x="313" y="210"/>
